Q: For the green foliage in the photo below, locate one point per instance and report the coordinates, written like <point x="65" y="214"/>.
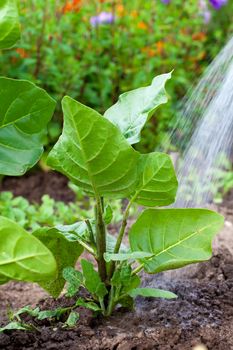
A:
<point x="136" y="107"/>
<point x="152" y="292"/>
<point x="49" y="213"/>
<point x="22" y="256"/>
<point x="92" y="280"/>
<point x="155" y="168"/>
<point x="62" y="52"/>
<point x="65" y="252"/>
<point x="97" y="157"/>
<point x="9" y="24"/>
<point x="176" y="237"/>
<point x="93" y="153"/>
<point x="74" y="279"/>
<point x="25" y="110"/>
<point x="16" y="326"/>
<point x="72" y="319"/>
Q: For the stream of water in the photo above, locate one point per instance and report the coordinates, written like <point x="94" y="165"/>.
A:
<point x="204" y="131"/>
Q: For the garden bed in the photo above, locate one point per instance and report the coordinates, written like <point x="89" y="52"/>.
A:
<point x="203" y="312"/>
<point x="35" y="184"/>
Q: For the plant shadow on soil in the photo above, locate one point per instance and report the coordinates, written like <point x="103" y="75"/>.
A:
<point x="202" y="314"/>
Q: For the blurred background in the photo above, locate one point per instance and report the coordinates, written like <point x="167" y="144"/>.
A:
<point x="93" y="50"/>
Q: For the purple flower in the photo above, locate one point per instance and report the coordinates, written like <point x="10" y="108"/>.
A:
<point x="166" y="1"/>
<point x="204" y="11"/>
<point x="102" y="18"/>
<point x="207" y="16"/>
<point x="217" y="4"/>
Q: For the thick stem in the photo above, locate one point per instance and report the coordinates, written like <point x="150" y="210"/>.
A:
<point x="100" y="240"/>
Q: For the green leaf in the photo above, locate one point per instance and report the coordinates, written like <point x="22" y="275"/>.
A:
<point x="157" y="183"/>
<point x="72" y="319"/>
<point x="176" y="237"/>
<point x="111" y="242"/>
<point x="126" y="256"/>
<point x="93" y="154"/>
<point x="136" y="107"/>
<point x="152" y="292"/>
<point x="74" y="279"/>
<point x="88" y="305"/>
<point x="15" y="325"/>
<point x="27" y="310"/>
<point x="49" y="314"/>
<point x="73" y="232"/>
<point x="65" y="253"/>
<point x="25" y="111"/>
<point x="9" y="24"/>
<point x="123" y="277"/>
<point x="127" y="302"/>
<point x="22" y="256"/>
<point x="92" y="280"/>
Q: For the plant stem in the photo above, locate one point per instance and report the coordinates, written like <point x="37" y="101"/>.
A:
<point x="92" y="238"/>
<point x="138" y="269"/>
<point x="100" y="240"/>
<point x="120" y="236"/>
<point x="87" y="247"/>
<point x="111" y="302"/>
<point x="102" y="306"/>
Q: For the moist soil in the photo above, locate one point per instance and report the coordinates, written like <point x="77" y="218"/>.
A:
<point x="35" y="184"/>
<point x="202" y="313"/>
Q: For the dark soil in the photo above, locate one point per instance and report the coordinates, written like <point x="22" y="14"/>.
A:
<point x="203" y="313"/>
<point x="37" y="183"/>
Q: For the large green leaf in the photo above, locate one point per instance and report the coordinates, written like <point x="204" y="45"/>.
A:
<point x="22" y="256"/>
<point x="65" y="252"/>
<point x="93" y="153"/>
<point x="25" y="111"/>
<point x="176" y="237"/>
<point x="9" y="24"/>
<point x="135" y="107"/>
<point x="157" y="183"/>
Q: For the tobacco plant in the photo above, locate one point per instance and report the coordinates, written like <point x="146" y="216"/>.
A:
<point x="95" y="152"/>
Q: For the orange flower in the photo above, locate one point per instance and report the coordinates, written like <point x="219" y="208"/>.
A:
<point x="120" y="10"/>
<point x="22" y="53"/>
<point x="160" y="47"/>
<point x="149" y="51"/>
<point x="71" y="6"/>
<point x="134" y="14"/>
<point x="142" y="25"/>
<point x="199" y="36"/>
